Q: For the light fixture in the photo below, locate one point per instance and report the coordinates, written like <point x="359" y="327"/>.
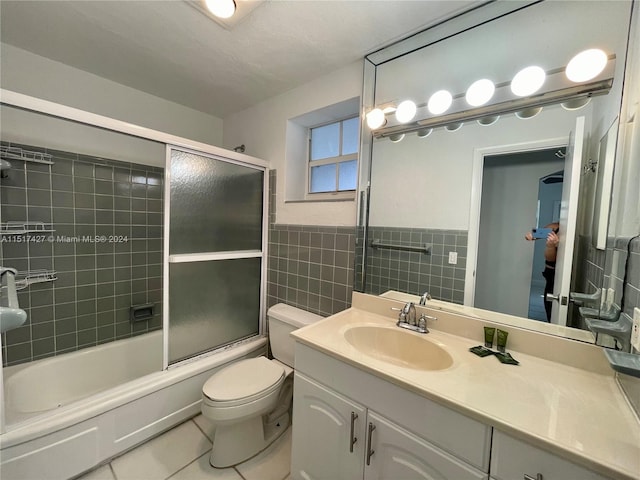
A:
<point x="576" y="103"/>
<point x="480" y="92"/>
<point x="376" y="119"/>
<point x="586" y="65"/>
<point x="424" y="132"/>
<point x="528" y="81"/>
<point x="396" y="137"/>
<point x="221" y="8"/>
<point x="440" y="102"/>
<point x="486" y="121"/>
<point x="406" y="111"/>
<point x="528" y="112"/>
<point x="452" y="127"/>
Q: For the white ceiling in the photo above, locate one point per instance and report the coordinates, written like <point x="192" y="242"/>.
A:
<point x="171" y="50"/>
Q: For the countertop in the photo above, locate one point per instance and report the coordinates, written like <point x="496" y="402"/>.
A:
<point x="577" y="414"/>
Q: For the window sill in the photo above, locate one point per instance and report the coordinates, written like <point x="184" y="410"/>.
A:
<point x="322" y="200"/>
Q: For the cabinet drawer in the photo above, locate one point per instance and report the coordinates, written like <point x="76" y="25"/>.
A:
<point x="511" y="459"/>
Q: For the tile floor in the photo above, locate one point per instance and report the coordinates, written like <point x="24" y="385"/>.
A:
<point x="182" y="453"/>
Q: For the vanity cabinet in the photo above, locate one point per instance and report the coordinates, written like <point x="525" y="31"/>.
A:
<point x="512" y="458"/>
<point x="337" y="438"/>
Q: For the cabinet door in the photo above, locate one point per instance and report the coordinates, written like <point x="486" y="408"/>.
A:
<point x="512" y="459"/>
<point x="322" y="434"/>
<point x="399" y="455"/>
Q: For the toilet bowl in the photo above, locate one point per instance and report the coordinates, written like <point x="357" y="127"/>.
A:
<point x="249" y="401"/>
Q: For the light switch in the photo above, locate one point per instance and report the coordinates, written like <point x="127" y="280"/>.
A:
<point x="453" y="258"/>
<point x="635" y="330"/>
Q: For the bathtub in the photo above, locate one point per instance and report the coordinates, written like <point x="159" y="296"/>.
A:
<point x="62" y="421"/>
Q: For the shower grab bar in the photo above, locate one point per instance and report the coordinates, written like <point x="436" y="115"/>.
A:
<point x="424" y="248"/>
<point x="11" y="315"/>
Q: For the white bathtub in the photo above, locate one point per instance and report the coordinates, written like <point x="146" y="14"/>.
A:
<point x="67" y="414"/>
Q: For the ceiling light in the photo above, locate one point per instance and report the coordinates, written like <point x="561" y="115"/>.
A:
<point x="439" y="102"/>
<point x="480" y="92"/>
<point x="452" y="127"/>
<point x="528" y="112"/>
<point x="424" y="132"/>
<point x="528" y="81"/>
<point x="375" y="119"/>
<point x="575" y="103"/>
<point x="406" y="111"/>
<point x="221" y="8"/>
<point x="395" y="138"/>
<point x="586" y="65"/>
<point x="490" y="120"/>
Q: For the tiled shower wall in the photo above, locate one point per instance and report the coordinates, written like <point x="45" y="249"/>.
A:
<point x="97" y="281"/>
<point x="309" y="267"/>
<point x="417" y="272"/>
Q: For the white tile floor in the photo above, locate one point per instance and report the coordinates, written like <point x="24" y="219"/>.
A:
<point x="182" y="453"/>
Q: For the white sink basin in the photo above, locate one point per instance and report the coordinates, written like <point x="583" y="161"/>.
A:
<point x="398" y="347"/>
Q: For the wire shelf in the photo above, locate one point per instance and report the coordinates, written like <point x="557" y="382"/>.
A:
<point x="20" y="228"/>
<point x="16" y="153"/>
<point x="29" y="277"/>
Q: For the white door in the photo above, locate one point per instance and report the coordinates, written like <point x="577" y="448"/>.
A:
<point x="568" y="219"/>
<point x="395" y="454"/>
<point x="328" y="434"/>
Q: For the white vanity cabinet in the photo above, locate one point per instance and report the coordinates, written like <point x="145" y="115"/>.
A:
<point x="513" y="459"/>
<point x="336" y="438"/>
<point x="394" y="434"/>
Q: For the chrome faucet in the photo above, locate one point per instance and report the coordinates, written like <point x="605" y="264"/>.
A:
<point x="407" y="319"/>
<point x="423" y="299"/>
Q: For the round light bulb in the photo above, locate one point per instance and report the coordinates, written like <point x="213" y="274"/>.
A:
<point x="406" y="111"/>
<point x="480" y="92"/>
<point x="528" y="112"/>
<point x="221" y="8"/>
<point x="425" y="132"/>
<point x="586" y="65"/>
<point x="528" y="81"/>
<point x="439" y="102"/>
<point x="486" y="121"/>
<point x="396" y="137"/>
<point x="375" y="119"/>
<point x="452" y="127"/>
<point x="576" y="103"/>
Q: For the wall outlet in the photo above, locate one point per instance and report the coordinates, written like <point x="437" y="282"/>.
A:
<point x="453" y="258"/>
<point x="635" y="330"/>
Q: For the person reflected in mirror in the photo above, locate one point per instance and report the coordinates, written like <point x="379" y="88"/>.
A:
<point x="550" y="254"/>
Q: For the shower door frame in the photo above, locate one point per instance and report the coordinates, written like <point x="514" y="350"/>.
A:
<point x="196" y="257"/>
<point x="57" y="110"/>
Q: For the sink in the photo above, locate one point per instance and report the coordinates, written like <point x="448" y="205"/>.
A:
<point x="398" y="347"/>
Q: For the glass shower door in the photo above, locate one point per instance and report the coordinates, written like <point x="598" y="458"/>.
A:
<point x="215" y="217"/>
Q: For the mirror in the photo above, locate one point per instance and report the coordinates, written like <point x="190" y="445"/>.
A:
<point x="469" y="194"/>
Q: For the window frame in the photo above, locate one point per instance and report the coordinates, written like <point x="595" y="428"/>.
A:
<point x="335" y="194"/>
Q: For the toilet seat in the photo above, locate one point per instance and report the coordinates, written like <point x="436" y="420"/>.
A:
<point x="243" y="382"/>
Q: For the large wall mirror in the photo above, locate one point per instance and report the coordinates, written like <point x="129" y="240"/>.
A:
<point x="447" y="199"/>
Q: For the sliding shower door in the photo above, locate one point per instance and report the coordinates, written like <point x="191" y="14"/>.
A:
<point x="215" y="218"/>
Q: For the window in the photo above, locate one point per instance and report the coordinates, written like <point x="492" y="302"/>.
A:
<point x="333" y="157"/>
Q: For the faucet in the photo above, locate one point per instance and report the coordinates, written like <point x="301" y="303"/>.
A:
<point x="407" y="319"/>
<point x="423" y="299"/>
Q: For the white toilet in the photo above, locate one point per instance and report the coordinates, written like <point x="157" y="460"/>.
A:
<point x="249" y="402"/>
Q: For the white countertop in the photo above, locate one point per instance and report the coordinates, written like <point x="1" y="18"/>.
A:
<point x="577" y="414"/>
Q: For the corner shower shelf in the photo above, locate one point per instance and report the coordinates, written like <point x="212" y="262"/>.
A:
<point x="24" y="279"/>
<point x="15" y="153"/>
<point x="21" y="228"/>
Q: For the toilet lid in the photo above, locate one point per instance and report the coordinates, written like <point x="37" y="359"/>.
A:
<point x="243" y="379"/>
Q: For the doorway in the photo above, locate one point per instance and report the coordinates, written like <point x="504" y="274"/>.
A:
<point x="508" y="273"/>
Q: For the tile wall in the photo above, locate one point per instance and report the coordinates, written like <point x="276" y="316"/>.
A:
<point x="97" y="281"/>
<point x="417" y="272"/>
<point x="309" y="267"/>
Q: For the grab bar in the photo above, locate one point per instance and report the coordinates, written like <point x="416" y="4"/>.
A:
<point x="11" y="315"/>
<point x="424" y="248"/>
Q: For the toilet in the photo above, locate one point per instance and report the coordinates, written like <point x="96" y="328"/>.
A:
<point x="249" y="401"/>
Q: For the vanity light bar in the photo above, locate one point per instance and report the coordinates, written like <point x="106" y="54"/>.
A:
<point x="557" y="88"/>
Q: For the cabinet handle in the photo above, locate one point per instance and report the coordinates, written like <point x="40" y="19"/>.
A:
<point x="352" y="438"/>
<point x="371" y="451"/>
<point x="537" y="477"/>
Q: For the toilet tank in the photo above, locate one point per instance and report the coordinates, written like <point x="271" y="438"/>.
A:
<point x="284" y="319"/>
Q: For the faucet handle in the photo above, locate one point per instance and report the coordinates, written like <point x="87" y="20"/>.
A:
<point x="402" y="316"/>
<point x="422" y="322"/>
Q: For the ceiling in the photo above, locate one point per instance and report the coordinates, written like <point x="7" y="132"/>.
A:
<point x="173" y="51"/>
